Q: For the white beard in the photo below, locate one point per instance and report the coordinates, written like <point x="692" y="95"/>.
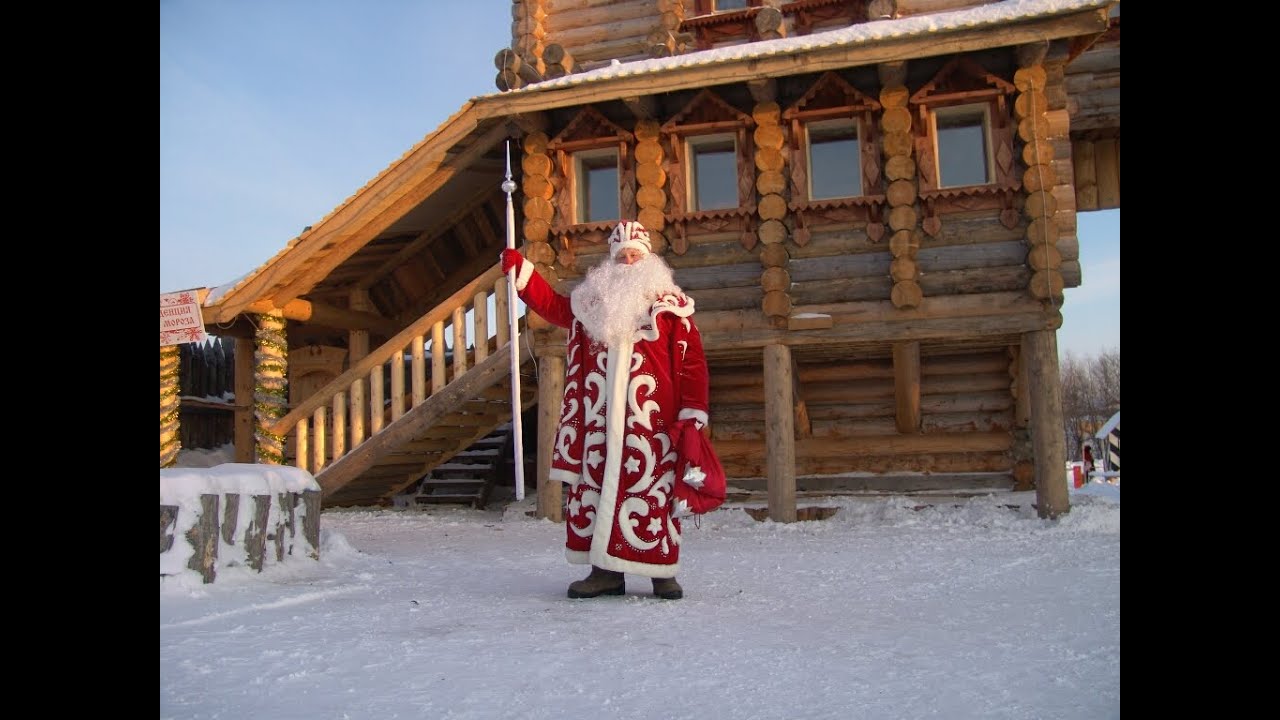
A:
<point x="614" y="299"/>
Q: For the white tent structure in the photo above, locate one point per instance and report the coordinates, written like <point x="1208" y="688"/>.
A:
<point x="1109" y="439"/>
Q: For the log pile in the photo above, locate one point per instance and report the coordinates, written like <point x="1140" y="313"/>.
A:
<point x="515" y="70"/>
<point x="665" y="40"/>
<point x="529" y="30"/>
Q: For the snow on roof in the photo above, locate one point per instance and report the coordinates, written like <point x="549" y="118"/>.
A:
<point x="1108" y="426"/>
<point x="998" y="13"/>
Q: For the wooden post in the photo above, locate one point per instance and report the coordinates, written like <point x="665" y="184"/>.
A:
<point x="170" y="405"/>
<point x="1106" y="158"/>
<point x="906" y="385"/>
<point x="243" y="438"/>
<point x="550" y="395"/>
<point x="270" y="401"/>
<point x="1040" y="350"/>
<point x="357" y="349"/>
<point x="780" y="441"/>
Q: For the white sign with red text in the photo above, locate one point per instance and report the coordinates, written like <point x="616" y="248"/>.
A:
<point x="180" y="318"/>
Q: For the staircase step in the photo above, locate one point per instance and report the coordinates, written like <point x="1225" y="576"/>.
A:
<point x="452" y="466"/>
<point x="443" y="498"/>
<point x="437" y="482"/>
<point x="491" y="453"/>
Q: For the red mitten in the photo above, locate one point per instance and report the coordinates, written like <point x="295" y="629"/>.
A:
<point x="511" y="259"/>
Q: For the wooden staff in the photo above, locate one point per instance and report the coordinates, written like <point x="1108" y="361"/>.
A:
<point x="508" y="187"/>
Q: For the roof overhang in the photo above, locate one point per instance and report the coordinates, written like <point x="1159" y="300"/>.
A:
<point x="483" y="122"/>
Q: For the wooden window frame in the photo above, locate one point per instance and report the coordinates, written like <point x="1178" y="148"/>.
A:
<point x="988" y="152"/>
<point x="691" y="145"/>
<point x="582" y="165"/>
<point x="845" y="121"/>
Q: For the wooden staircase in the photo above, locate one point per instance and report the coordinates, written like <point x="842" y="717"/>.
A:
<point x="469" y="476"/>
<point x="441" y="402"/>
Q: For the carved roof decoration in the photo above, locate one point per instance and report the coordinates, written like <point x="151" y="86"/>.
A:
<point x="590" y="124"/>
<point x="707" y="107"/>
<point x="961" y="79"/>
<point x="832" y="91"/>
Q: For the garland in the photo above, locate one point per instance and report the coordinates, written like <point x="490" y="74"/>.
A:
<point x="170" y="387"/>
<point x="270" y="400"/>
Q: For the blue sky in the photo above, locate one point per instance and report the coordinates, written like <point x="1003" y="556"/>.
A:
<point x="273" y="113"/>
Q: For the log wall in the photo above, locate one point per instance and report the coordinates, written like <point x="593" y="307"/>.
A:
<point x="947" y="280"/>
<point x="966" y="409"/>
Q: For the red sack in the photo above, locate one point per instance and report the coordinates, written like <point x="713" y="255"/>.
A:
<point x="700" y="483"/>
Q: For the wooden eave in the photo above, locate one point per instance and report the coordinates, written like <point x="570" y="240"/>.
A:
<point x="483" y="122"/>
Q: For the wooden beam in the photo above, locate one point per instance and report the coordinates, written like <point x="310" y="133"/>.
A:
<point x="763" y="90"/>
<point x="388" y="197"/>
<point x="529" y="123"/>
<point x="423" y="240"/>
<point x="243" y="433"/>
<point x="1040" y="349"/>
<point x="906" y="386"/>
<point x="317" y="313"/>
<point x="644" y="107"/>
<point x="342" y="248"/>
<point x="550" y="396"/>
<point x="803" y="428"/>
<point x="780" y="433"/>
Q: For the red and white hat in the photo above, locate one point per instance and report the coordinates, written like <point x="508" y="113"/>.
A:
<point x="629" y="234"/>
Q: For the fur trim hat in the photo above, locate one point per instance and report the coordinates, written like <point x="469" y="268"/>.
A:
<point x="629" y="234"/>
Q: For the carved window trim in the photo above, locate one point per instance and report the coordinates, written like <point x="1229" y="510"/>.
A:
<point x="830" y="98"/>
<point x="706" y="114"/>
<point x="711" y="27"/>
<point x="590" y="130"/>
<point x="963" y="82"/>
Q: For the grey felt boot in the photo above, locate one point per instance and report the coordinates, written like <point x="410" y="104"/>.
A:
<point x="599" y="582"/>
<point x="667" y="588"/>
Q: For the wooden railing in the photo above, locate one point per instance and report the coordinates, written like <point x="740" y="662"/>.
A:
<point x="355" y="402"/>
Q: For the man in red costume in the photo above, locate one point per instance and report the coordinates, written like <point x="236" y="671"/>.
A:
<point x="635" y="368"/>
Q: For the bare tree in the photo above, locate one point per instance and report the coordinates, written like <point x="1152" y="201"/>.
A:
<point x="1090" y="395"/>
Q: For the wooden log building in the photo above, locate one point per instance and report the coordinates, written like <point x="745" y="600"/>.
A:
<point x="873" y="204"/>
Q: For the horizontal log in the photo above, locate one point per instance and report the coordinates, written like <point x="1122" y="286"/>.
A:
<point x="974" y="228"/>
<point x="890" y="444"/>
<point x="892" y="474"/>
<point x="968" y="422"/>
<point x="967" y="364"/>
<point x="949" y="384"/>
<point x="808" y="292"/>
<point x="721" y="299"/>
<point x="843" y="267"/>
<point x="719" y="276"/>
<point x="1001" y="328"/>
<point x="324" y="315"/>
<point x="871" y="426"/>
<point x="816" y="394"/>
<point x="961" y="257"/>
<point x="572" y="14"/>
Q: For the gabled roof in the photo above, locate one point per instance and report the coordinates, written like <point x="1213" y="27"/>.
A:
<point x="484" y="121"/>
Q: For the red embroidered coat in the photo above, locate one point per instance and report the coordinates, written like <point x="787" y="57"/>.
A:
<point x="613" y="447"/>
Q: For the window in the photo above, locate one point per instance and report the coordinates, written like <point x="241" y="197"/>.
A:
<point x="963" y="145"/>
<point x="596" y="172"/>
<point x="835" y="159"/>
<point x="717" y="5"/>
<point x="713" y="172"/>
